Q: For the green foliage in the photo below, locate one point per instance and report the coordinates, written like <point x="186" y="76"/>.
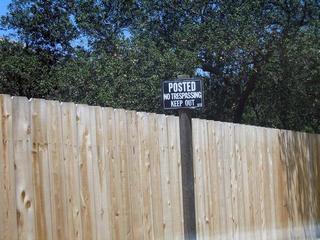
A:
<point x="42" y="24"/>
<point x="21" y="72"/>
<point x="260" y="58"/>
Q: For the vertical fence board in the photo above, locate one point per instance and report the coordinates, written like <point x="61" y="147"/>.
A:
<point x="210" y="151"/>
<point x="214" y="179"/>
<point x="176" y="191"/>
<point x="96" y="164"/>
<point x="8" y="221"/>
<point x="57" y="174"/>
<point x="227" y="152"/>
<point x="222" y="189"/>
<point x="99" y="170"/>
<point x="264" y="196"/>
<point x="86" y="173"/>
<point x="315" y="166"/>
<point x="270" y="162"/>
<point x="247" y="230"/>
<point x="252" y="181"/>
<point x="93" y="169"/>
<point x="233" y="181"/>
<point x="136" y="204"/>
<point x="122" y="133"/>
<point x="281" y="186"/>
<point x="145" y="175"/>
<point x="257" y="173"/>
<point x="113" y="179"/>
<point x="312" y="184"/>
<point x="199" y="202"/>
<point x="317" y="180"/>
<point x="41" y="171"/>
<point x="72" y="170"/>
<point x="133" y="152"/>
<point x="207" y="179"/>
<point x="168" y="223"/>
<point x="23" y="168"/>
<point x="155" y="177"/>
<point x="239" y="201"/>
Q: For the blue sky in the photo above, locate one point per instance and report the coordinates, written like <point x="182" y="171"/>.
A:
<point x="3" y="6"/>
<point x="3" y="10"/>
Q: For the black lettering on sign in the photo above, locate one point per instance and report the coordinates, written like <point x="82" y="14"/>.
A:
<point x="182" y="93"/>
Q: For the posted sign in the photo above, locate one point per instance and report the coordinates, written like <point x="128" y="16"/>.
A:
<point x="182" y="93"/>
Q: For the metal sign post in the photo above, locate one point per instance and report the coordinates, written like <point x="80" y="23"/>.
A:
<point x="185" y="94"/>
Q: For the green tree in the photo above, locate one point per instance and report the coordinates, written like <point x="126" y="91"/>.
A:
<point x="45" y="26"/>
<point x="21" y="72"/>
<point x="244" y="46"/>
<point x="260" y="59"/>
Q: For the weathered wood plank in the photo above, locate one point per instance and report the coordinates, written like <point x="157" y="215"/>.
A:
<point x="206" y="178"/>
<point x="213" y="173"/>
<point x="72" y="170"/>
<point x="239" y="202"/>
<point x="226" y="162"/>
<point x="57" y="173"/>
<point x="99" y="176"/>
<point x="133" y="151"/>
<point x="143" y="126"/>
<point x="252" y="181"/>
<point x="281" y="186"/>
<point x="88" y="219"/>
<point x="168" y="223"/>
<point x="175" y="165"/>
<point x="199" y="189"/>
<point x="120" y="117"/>
<point x="233" y="181"/>
<point x="113" y="179"/>
<point x="8" y="209"/>
<point x="156" y="196"/>
<point x="220" y="135"/>
<point x="248" y="227"/>
<point x="270" y="161"/>
<point x="22" y="154"/>
<point x="40" y="169"/>
<point x="262" y="178"/>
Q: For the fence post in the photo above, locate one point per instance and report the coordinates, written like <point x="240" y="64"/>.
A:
<point x="189" y="213"/>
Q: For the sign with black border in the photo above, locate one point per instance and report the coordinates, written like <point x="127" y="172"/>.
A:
<point x="182" y="93"/>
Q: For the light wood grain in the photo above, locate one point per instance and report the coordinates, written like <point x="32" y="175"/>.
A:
<point x="8" y="221"/>
<point x="85" y="149"/>
<point x="199" y="178"/>
<point x="215" y="225"/>
<point x="167" y="213"/>
<point x="120" y="117"/>
<point x="143" y="126"/>
<point x="155" y="169"/>
<point x="80" y="172"/>
<point x="113" y="176"/>
<point x="238" y="165"/>
<point x="134" y="170"/>
<point x="71" y="169"/>
<point x="101" y="170"/>
<point x="57" y="173"/>
<point x="41" y="169"/>
<point x="21" y="122"/>
<point x="175" y="177"/>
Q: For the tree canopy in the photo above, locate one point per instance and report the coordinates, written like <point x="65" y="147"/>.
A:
<point x="260" y="59"/>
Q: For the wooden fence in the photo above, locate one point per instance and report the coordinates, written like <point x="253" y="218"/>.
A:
<point x="256" y="183"/>
<point x="82" y="172"/>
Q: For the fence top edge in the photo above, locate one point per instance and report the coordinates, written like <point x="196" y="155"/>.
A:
<point x="148" y="113"/>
